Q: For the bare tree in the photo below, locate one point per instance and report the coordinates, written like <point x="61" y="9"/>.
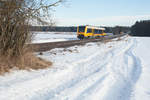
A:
<point x="15" y="18"/>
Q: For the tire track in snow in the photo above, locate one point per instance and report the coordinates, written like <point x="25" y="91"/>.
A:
<point x="45" y="94"/>
<point x="51" y="94"/>
<point x="135" y="71"/>
<point x="35" y="89"/>
<point x="86" y="80"/>
<point x="26" y="88"/>
<point x="94" y="86"/>
<point x="19" y="78"/>
<point x="100" y="92"/>
<point x="79" y="79"/>
<point x="122" y="89"/>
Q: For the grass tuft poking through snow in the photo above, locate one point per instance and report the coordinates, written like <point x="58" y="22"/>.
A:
<point x="26" y="62"/>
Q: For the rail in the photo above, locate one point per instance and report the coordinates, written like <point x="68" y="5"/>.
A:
<point x="41" y="47"/>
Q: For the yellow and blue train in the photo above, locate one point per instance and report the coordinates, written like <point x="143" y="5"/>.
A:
<point x="89" y="31"/>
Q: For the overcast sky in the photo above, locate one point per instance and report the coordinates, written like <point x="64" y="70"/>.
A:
<point x="102" y="12"/>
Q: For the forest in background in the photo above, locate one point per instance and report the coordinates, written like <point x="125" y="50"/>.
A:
<point x="141" y="28"/>
<point x="115" y="30"/>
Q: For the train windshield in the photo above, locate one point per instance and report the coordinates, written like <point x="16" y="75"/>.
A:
<point x="81" y="28"/>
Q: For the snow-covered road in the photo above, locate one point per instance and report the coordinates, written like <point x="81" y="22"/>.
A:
<point x="118" y="70"/>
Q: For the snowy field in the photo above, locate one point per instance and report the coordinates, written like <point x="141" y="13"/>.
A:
<point x="118" y="70"/>
<point x="42" y="37"/>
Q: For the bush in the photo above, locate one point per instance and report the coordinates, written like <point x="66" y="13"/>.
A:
<point x="15" y="18"/>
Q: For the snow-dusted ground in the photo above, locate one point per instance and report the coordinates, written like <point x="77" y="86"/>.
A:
<point x="118" y="70"/>
<point x="42" y="37"/>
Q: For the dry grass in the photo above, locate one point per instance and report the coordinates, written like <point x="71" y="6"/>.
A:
<point x="26" y="62"/>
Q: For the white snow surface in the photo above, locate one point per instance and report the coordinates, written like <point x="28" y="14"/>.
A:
<point x="43" y="37"/>
<point x="117" y="70"/>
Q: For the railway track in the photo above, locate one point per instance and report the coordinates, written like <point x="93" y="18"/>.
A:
<point x="41" y="47"/>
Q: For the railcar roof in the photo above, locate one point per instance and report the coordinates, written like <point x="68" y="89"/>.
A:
<point x="94" y="27"/>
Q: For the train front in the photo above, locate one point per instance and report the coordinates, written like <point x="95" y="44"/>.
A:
<point x="81" y="32"/>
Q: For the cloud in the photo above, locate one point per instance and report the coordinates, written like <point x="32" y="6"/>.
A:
<point x="105" y="21"/>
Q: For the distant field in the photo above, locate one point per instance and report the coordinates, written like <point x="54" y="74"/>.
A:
<point x="42" y="37"/>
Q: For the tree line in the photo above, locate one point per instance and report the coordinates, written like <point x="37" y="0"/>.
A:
<point x="54" y="28"/>
<point x="141" y="28"/>
<point x="115" y="30"/>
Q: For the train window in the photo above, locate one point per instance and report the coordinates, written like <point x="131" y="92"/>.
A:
<point x="89" y="30"/>
<point x="95" y="31"/>
<point x="81" y="28"/>
<point x="100" y="31"/>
